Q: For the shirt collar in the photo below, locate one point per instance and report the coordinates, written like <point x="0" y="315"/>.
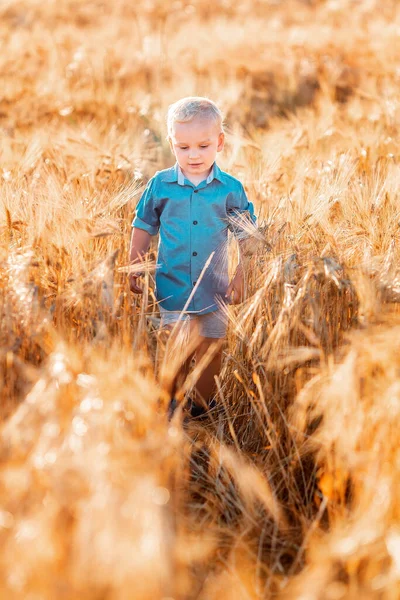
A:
<point x="181" y="177"/>
<point x="175" y="175"/>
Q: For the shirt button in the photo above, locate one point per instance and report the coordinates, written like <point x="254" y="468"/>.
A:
<point x="196" y="191"/>
<point x="194" y="253"/>
<point x="194" y="222"/>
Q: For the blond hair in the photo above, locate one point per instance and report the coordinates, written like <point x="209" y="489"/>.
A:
<point x="186" y="109"/>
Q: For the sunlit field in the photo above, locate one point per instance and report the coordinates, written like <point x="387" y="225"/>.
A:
<point x="291" y="490"/>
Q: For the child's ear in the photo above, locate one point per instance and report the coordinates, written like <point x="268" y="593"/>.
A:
<point x="221" y="141"/>
<point x="170" y="144"/>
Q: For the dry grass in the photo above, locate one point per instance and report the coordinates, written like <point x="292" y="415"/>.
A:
<point x="293" y="490"/>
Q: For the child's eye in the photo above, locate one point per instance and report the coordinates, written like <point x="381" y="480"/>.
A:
<point x="204" y="146"/>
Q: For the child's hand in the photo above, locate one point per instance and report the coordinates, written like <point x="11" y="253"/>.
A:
<point x="133" y="277"/>
<point x="235" y="290"/>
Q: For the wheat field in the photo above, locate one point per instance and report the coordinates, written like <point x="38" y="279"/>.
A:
<point x="293" y="490"/>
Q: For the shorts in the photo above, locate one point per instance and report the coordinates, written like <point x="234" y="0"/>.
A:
<point x="213" y="324"/>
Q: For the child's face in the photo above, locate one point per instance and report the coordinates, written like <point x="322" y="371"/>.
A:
<point x="195" y="145"/>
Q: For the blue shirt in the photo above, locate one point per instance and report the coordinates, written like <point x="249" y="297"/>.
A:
<point x="193" y="222"/>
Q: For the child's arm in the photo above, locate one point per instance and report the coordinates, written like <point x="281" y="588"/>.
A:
<point x="145" y="224"/>
<point x="235" y="290"/>
<point x="140" y="242"/>
<point x="243" y="225"/>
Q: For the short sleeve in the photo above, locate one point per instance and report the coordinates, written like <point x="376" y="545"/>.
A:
<point x="241" y="214"/>
<point x="146" y="215"/>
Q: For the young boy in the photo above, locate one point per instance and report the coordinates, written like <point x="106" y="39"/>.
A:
<point x="192" y="205"/>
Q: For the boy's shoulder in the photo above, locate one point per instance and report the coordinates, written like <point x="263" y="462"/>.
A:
<point x="165" y="174"/>
<point x="233" y="182"/>
<point x="155" y="180"/>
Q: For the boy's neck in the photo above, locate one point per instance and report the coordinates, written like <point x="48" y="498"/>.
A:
<point x="196" y="180"/>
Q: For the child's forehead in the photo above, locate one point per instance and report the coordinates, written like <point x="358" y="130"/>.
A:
<point x="198" y="129"/>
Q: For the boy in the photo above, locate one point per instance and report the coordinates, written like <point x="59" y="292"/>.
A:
<point x="192" y="205"/>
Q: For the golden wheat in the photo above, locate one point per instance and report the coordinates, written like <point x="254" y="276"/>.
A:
<point x="291" y="490"/>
